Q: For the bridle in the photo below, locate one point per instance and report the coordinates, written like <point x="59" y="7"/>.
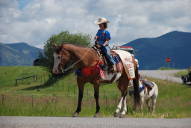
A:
<point x="72" y="65"/>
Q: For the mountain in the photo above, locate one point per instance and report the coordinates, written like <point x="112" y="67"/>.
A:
<point x="152" y="52"/>
<point x="18" y="54"/>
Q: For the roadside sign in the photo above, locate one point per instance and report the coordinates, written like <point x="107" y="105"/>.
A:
<point x="168" y="59"/>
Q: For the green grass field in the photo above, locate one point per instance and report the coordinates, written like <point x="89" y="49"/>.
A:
<point x="181" y="73"/>
<point x="50" y="97"/>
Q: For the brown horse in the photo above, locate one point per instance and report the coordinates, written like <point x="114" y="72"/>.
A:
<point x="83" y="57"/>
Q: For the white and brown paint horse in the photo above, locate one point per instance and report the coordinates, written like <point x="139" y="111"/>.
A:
<point x="148" y="95"/>
<point x="83" y="58"/>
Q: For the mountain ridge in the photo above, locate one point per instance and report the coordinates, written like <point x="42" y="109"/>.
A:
<point x="152" y="52"/>
<point x="19" y="53"/>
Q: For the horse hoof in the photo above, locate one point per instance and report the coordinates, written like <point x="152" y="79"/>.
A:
<point x="122" y="116"/>
<point x="75" y="114"/>
<point x="116" y="114"/>
<point x="96" y="115"/>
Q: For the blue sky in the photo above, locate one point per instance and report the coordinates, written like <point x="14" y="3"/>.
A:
<point x="23" y="3"/>
<point x="34" y="21"/>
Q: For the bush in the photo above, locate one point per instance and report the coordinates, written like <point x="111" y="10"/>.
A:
<point x="166" y="68"/>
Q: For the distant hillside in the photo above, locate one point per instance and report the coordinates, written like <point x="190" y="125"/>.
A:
<point x="18" y="54"/>
<point x="151" y="52"/>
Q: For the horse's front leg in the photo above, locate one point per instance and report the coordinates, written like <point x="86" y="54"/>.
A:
<point x="96" y="96"/>
<point x="80" y="96"/>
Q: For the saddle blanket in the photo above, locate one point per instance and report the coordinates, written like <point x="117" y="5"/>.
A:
<point x="128" y="62"/>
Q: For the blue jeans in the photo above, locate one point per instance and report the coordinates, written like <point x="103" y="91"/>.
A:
<point x="106" y="52"/>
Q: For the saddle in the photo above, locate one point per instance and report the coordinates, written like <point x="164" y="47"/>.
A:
<point x="148" y="85"/>
<point x="98" y="50"/>
<point x="112" y="68"/>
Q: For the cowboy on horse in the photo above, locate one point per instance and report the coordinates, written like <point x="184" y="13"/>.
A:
<point x="87" y="61"/>
<point x="102" y="41"/>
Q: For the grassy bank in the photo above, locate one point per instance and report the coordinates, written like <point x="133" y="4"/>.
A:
<point x="59" y="98"/>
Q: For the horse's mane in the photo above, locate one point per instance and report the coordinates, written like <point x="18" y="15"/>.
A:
<point x="77" y="45"/>
<point x="71" y="47"/>
<point x="65" y="45"/>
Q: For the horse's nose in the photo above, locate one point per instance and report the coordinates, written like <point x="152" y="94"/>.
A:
<point x="55" y="71"/>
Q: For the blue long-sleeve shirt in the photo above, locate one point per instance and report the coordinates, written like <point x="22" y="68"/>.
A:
<point x="103" y="35"/>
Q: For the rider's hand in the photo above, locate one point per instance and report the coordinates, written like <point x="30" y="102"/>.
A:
<point x="97" y="45"/>
<point x="96" y="37"/>
<point x="106" y="43"/>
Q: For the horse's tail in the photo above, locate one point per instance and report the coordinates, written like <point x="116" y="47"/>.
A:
<point x="136" y="89"/>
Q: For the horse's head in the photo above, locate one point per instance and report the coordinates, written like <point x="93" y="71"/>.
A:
<point x="61" y="57"/>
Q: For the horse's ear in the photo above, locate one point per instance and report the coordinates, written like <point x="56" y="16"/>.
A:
<point x="56" y="48"/>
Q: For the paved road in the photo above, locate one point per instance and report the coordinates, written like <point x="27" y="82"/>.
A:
<point x="162" y="74"/>
<point x="69" y="122"/>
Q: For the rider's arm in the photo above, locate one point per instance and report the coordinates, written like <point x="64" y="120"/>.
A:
<point x="97" y="36"/>
<point x="108" y="37"/>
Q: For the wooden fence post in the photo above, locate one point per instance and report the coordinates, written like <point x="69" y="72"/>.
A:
<point x="74" y="90"/>
<point x="16" y="82"/>
<point x="106" y="101"/>
<point x="2" y="98"/>
<point x="32" y="101"/>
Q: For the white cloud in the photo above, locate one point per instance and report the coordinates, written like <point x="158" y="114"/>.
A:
<point x="130" y="19"/>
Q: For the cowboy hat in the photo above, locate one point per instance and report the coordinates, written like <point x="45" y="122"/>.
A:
<point x="101" y="21"/>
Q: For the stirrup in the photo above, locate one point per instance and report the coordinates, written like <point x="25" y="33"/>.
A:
<point x="111" y="68"/>
<point x="104" y="67"/>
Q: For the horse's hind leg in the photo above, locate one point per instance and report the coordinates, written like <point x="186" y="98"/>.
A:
<point x="122" y="106"/>
<point x="153" y="104"/>
<point x="118" y="107"/>
<point x="148" y="104"/>
<point x="80" y="83"/>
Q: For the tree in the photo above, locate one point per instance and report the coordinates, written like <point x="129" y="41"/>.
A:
<point x="63" y="37"/>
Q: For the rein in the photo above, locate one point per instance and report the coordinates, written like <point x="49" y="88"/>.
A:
<point x="70" y="67"/>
